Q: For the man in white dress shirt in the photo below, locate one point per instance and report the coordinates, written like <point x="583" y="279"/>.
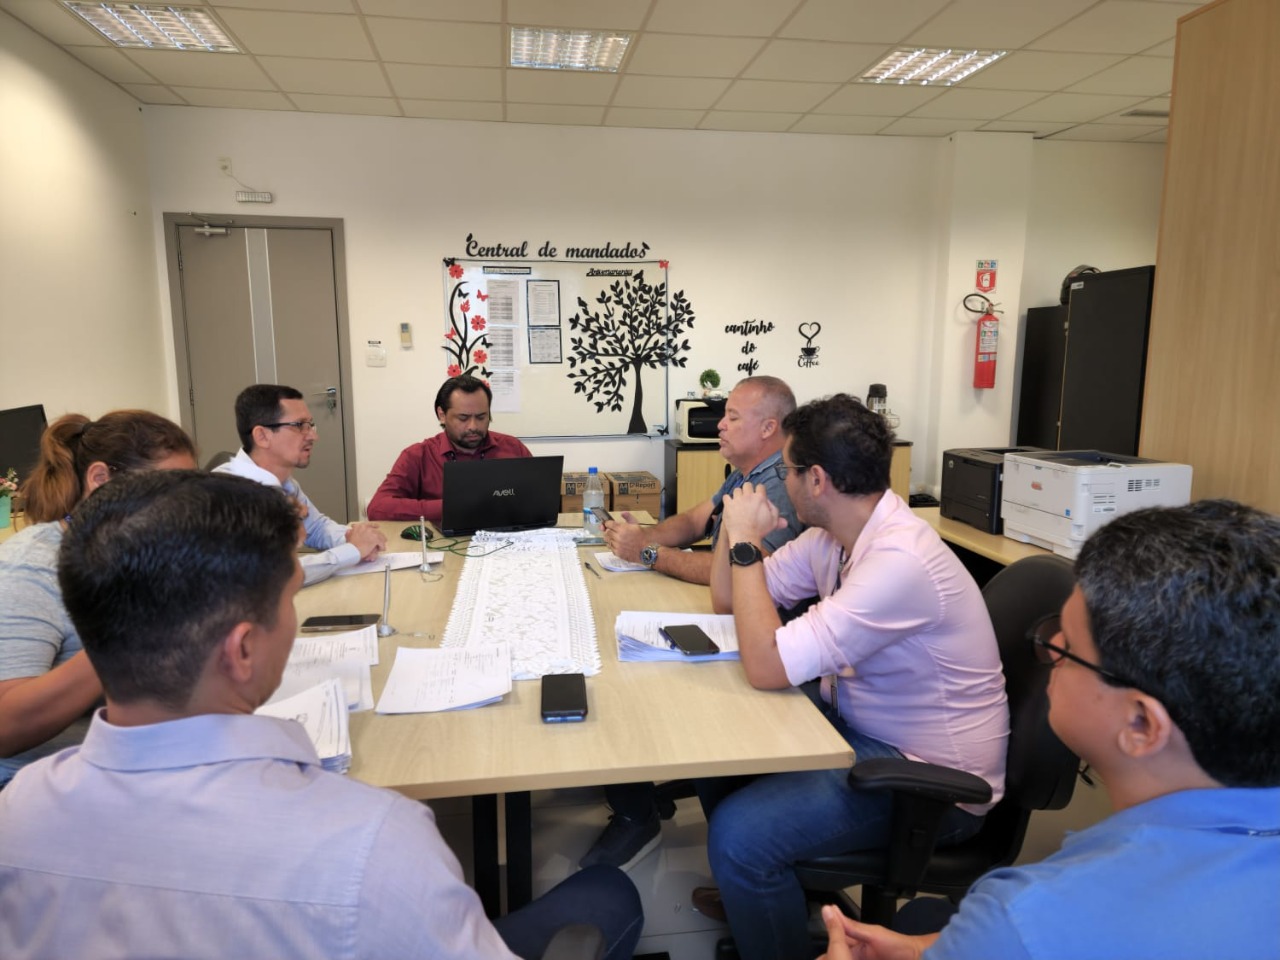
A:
<point x="277" y="433"/>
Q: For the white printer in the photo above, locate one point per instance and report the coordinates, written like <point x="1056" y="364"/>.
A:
<point x="1056" y="498"/>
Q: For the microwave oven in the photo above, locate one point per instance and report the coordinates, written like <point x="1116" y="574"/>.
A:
<point x="698" y="421"/>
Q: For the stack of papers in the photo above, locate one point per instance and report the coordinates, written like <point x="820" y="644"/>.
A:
<point x="428" y="680"/>
<point x="319" y="657"/>
<point x="397" y="561"/>
<point x="639" y="639"/>
<point x="323" y="713"/>
<point x="611" y="561"/>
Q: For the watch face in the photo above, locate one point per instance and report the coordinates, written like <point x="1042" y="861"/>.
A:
<point x="649" y="556"/>
<point x="744" y="554"/>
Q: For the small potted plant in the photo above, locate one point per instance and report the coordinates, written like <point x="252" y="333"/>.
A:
<point x="709" y="380"/>
<point x="8" y="490"/>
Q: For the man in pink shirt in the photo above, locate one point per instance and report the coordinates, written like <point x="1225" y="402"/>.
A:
<point x="900" y="641"/>
<point x="415" y="484"/>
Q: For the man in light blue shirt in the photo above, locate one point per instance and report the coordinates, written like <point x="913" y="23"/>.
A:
<point x="1166" y="667"/>
<point x="277" y="434"/>
<point x="186" y="825"/>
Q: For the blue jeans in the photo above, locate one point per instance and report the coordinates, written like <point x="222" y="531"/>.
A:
<point x="759" y="827"/>
<point x="601" y="896"/>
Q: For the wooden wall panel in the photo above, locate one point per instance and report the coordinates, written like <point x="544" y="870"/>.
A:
<point x="1213" y="368"/>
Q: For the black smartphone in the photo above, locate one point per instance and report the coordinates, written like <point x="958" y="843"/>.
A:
<point x="689" y="638"/>
<point x="564" y="698"/>
<point x="339" y="621"/>
<point x="602" y="515"/>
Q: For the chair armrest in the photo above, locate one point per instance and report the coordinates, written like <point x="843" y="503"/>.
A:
<point x="922" y="795"/>
<point x="919" y="779"/>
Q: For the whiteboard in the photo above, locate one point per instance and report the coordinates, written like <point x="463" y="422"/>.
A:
<point x="570" y="348"/>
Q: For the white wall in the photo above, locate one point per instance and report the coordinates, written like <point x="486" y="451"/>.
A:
<point x="79" y="317"/>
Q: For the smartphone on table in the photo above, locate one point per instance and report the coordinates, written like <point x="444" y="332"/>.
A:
<point x="689" y="638"/>
<point x="564" y="698"/>
<point x="339" y="621"/>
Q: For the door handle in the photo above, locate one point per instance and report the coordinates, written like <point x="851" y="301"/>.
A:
<point x="330" y="395"/>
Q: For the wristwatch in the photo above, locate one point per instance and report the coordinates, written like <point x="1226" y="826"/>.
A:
<point x="649" y="556"/>
<point x="744" y="554"/>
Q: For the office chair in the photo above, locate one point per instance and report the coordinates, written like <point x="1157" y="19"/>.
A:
<point x="1040" y="773"/>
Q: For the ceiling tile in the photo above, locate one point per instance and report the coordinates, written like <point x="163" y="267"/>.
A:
<point x="1156" y="136"/>
<point x="111" y="63"/>
<point x="547" y="113"/>
<point x="451" y="110"/>
<point x="878" y="100"/>
<point x="583" y="14"/>
<point x="677" y="55"/>
<point x="1166" y="49"/>
<point x="1073" y="107"/>
<point x="748" y="121"/>
<point x="669" y="92"/>
<point x="975" y="104"/>
<point x="558" y="86"/>
<point x="920" y="127"/>
<point x="153" y="93"/>
<point x="299" y="34"/>
<point x="1026" y="126"/>
<point x="54" y="22"/>
<point x="771" y="96"/>
<point x="1116" y="26"/>
<point x="297" y="6"/>
<point x="1102" y="131"/>
<point x="445" y="83"/>
<point x="1121" y="116"/>
<point x="642" y="117"/>
<point x="814" y="60"/>
<point x="226" y="71"/>
<point x="996" y="24"/>
<point x="235" y="99"/>
<point x="864" y="21"/>
<point x="1037" y="70"/>
<point x="730" y="18"/>
<point x="363" y="106"/>
<point x="434" y="41"/>
<point x="357" y="78"/>
<point x="846" y="125"/>
<point x="1148" y="76"/>
<point x="483" y="10"/>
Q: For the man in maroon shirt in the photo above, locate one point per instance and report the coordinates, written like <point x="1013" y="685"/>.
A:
<point x="415" y="484"/>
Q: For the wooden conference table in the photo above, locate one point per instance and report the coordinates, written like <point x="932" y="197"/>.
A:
<point x="646" y="721"/>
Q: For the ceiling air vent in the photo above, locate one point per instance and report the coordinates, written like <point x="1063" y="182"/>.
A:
<point x="1162" y="114"/>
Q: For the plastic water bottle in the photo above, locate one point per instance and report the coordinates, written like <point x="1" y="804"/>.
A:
<point x="592" y="496"/>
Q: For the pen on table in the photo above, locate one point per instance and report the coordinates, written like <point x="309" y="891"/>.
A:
<point x="592" y="569"/>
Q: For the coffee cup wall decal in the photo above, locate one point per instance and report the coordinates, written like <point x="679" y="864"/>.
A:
<point x="808" y="353"/>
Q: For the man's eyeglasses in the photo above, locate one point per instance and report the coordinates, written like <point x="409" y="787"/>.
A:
<point x="782" y="469"/>
<point x="302" y="426"/>
<point x="1042" y="633"/>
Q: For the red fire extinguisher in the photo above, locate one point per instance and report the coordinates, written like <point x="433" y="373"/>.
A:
<point x="984" y="344"/>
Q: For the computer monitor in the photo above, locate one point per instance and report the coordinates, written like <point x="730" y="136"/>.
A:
<point x="20" y="431"/>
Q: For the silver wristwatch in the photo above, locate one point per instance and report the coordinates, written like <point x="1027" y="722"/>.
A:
<point x="649" y="556"/>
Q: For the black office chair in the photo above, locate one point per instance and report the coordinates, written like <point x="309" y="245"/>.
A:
<point x="1040" y="773"/>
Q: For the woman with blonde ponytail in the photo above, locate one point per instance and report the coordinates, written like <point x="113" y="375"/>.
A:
<point x="46" y="683"/>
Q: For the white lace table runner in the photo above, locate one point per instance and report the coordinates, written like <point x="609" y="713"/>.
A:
<point x="527" y="590"/>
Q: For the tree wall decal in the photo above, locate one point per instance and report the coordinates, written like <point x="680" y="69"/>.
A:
<point x="466" y="341"/>
<point x="633" y="329"/>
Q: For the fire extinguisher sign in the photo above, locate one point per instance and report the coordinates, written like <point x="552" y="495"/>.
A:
<point x="986" y="278"/>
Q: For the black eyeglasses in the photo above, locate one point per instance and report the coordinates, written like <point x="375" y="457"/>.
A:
<point x="303" y="426"/>
<point x="1045" y="629"/>
<point x="781" y="469"/>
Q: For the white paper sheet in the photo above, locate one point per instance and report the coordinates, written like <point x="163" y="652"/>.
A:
<point x="323" y="714"/>
<point x="639" y="640"/>
<point x="423" y="681"/>
<point x="398" y="561"/>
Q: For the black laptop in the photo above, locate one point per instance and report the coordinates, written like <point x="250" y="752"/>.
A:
<point x="517" y="494"/>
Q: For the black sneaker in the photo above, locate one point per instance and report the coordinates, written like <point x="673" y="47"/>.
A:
<point x="624" y="842"/>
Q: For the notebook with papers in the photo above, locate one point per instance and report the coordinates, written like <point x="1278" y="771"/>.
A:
<point x="517" y="494"/>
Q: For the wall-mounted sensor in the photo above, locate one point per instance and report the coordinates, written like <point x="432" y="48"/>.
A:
<point x="406" y="337"/>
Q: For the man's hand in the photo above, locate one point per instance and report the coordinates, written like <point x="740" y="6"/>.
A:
<point x="367" y="538"/>
<point x="850" y="940"/>
<point x="749" y="514"/>
<point x="626" y="539"/>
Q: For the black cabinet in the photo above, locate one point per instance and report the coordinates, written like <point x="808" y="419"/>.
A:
<point x="1083" y="365"/>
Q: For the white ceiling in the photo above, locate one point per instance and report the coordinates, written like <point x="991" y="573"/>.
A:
<point x="1075" y="67"/>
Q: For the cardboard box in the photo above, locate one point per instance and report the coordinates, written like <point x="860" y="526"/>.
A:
<point x="571" y="487"/>
<point x="636" y="491"/>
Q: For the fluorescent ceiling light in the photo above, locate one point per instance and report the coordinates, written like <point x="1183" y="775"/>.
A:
<point x="547" y="49"/>
<point x="155" y="26"/>
<point x="928" y="66"/>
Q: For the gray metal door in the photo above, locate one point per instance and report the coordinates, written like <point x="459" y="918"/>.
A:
<point x="264" y="304"/>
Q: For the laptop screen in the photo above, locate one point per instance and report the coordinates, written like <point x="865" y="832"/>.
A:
<point x="517" y="494"/>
